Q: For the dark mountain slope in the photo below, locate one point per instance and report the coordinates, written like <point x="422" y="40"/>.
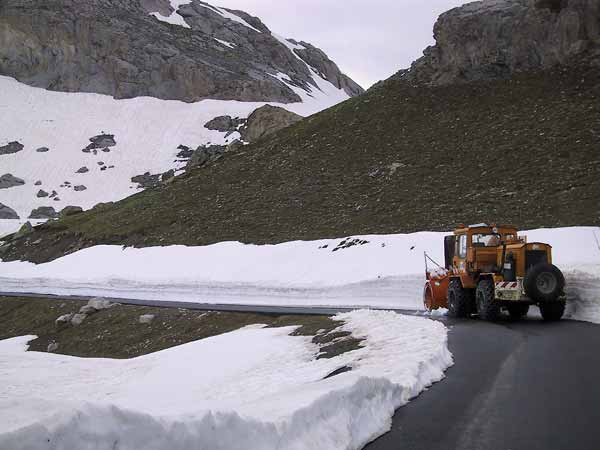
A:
<point x="400" y="158"/>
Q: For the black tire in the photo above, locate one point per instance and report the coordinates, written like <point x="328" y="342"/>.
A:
<point x="518" y="310"/>
<point x="458" y="300"/>
<point x="544" y="283"/>
<point x="552" y="311"/>
<point x="487" y="307"/>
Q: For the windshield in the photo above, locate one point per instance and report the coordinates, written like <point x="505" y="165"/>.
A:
<point x="486" y="240"/>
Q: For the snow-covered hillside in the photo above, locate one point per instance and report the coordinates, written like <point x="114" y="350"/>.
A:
<point x="255" y="388"/>
<point x="383" y="271"/>
<point x="55" y="128"/>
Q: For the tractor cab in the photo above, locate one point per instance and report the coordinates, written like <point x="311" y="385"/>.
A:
<point x="490" y="268"/>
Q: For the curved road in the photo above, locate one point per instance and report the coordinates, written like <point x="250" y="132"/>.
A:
<point x="526" y="385"/>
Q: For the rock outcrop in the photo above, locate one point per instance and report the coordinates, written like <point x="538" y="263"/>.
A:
<point x="43" y="212"/>
<point x="125" y="49"/>
<point x="493" y="39"/>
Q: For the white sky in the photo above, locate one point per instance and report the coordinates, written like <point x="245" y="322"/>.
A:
<point x="369" y="39"/>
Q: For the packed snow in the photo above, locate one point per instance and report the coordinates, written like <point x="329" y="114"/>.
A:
<point x="228" y="15"/>
<point x="254" y="388"/>
<point x="147" y="132"/>
<point x="174" y="18"/>
<point x="381" y="271"/>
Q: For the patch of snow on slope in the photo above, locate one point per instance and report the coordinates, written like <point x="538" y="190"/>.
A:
<point x="229" y="15"/>
<point x="225" y="43"/>
<point x="255" y="388"/>
<point x="386" y="272"/>
<point x="147" y="132"/>
<point x="174" y="18"/>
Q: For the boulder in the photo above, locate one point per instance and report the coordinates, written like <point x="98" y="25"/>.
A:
<point x="8" y="180"/>
<point x="88" y="310"/>
<point x="101" y="303"/>
<point x="78" y="319"/>
<point x="63" y="320"/>
<point x="42" y="194"/>
<point x="7" y="213"/>
<point x="79" y="188"/>
<point x="225" y="124"/>
<point x="101" y="141"/>
<point x="146" y="318"/>
<point x="42" y="150"/>
<point x="267" y="120"/>
<point x="146" y="180"/>
<point x="52" y="347"/>
<point x="205" y="154"/>
<point x="25" y="230"/>
<point x="43" y="212"/>
<point x="83" y="170"/>
<point x="11" y="147"/>
<point x="38" y="183"/>
<point x="70" y="211"/>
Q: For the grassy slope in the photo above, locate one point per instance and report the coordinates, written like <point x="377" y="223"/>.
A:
<point x="524" y="151"/>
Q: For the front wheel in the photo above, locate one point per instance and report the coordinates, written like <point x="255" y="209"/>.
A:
<point x="487" y="306"/>
<point x="552" y="311"/>
<point x="458" y="300"/>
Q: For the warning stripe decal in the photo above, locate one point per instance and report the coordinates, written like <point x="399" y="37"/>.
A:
<point x="507" y="285"/>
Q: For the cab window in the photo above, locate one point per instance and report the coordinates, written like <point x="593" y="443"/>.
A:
<point x="486" y="240"/>
<point x="462" y="246"/>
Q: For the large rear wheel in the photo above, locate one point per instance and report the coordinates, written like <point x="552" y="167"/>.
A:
<point x="544" y="283"/>
<point x="458" y="300"/>
<point x="487" y="307"/>
<point x="552" y="311"/>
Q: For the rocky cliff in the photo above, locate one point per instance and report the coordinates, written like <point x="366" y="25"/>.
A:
<point x="131" y="48"/>
<point x="493" y="39"/>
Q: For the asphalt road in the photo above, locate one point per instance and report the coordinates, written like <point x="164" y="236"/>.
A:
<point x="524" y="385"/>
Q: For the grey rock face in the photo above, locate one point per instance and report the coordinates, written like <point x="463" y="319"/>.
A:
<point x="117" y="48"/>
<point x="267" y="120"/>
<point x="43" y="212"/>
<point x="52" y="347"/>
<point x="11" y="147"/>
<point x="70" y="211"/>
<point x="7" y="213"/>
<point x="8" y="180"/>
<point x="493" y="39"/>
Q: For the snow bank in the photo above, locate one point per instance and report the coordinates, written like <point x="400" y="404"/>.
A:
<point x="380" y="271"/>
<point x="254" y="388"/>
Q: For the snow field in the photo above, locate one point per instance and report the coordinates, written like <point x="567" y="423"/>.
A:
<point x="147" y="131"/>
<point x="254" y="388"/>
<point x="380" y="271"/>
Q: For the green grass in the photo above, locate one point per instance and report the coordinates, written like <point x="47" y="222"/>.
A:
<point x="524" y="151"/>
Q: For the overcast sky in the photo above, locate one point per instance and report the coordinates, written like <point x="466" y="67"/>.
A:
<point x="369" y="39"/>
